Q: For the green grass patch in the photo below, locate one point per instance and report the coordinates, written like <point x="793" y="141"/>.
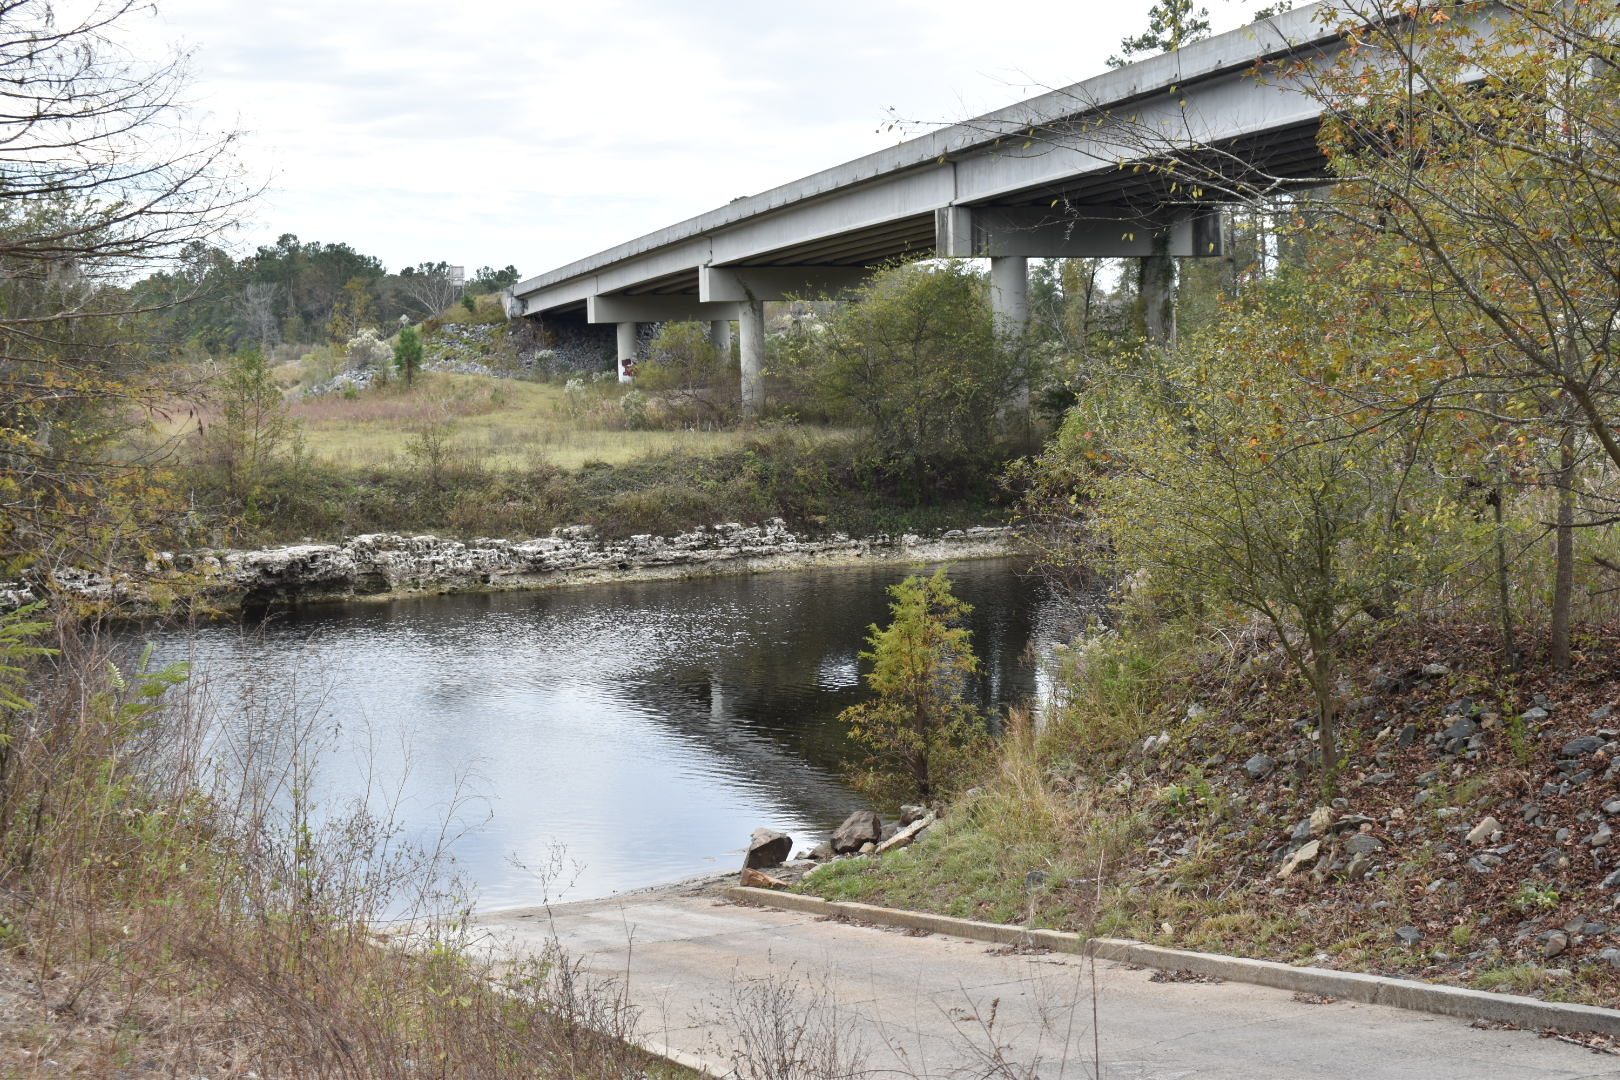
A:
<point x="963" y="872"/>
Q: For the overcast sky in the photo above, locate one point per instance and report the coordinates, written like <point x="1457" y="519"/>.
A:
<point x="534" y="133"/>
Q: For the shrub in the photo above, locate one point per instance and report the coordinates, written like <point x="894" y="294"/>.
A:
<point x="408" y="353"/>
<point x="368" y="352"/>
<point x="634" y="407"/>
<point x="254" y="432"/>
<point x="916" y="357"/>
<point x="698" y="385"/>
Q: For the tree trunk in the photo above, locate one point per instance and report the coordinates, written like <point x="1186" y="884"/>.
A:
<point x="1327" y="727"/>
<point x="1504" y="606"/>
<point x="1564" y="552"/>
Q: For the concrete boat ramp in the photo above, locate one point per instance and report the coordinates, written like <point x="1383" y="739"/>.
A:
<point x="711" y="976"/>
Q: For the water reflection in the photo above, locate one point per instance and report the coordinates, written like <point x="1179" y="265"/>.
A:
<point x="646" y="726"/>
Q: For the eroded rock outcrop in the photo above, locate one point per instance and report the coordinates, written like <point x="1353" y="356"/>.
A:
<point x="380" y="564"/>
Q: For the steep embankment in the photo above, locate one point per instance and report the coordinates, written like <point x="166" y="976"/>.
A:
<point x="1469" y="840"/>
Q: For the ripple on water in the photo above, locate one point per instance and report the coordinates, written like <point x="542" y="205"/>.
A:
<point x="646" y="726"/>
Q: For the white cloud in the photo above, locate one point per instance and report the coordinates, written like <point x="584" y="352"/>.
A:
<point x="536" y="133"/>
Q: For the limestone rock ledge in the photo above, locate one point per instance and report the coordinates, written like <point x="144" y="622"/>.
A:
<point x="380" y="565"/>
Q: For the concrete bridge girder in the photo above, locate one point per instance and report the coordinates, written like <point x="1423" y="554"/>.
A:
<point x="620" y="309"/>
<point x="1078" y="232"/>
<point x="756" y="284"/>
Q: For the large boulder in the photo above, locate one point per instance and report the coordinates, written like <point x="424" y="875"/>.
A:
<point x="767" y="847"/>
<point x="861" y="827"/>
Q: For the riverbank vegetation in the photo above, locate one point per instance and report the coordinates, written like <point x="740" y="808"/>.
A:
<point x="1355" y="702"/>
<point x="878" y="428"/>
<point x="171" y="902"/>
<point x="921" y="733"/>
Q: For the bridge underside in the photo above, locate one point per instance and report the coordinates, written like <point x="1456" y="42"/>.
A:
<point x="1270" y="160"/>
<point x="1134" y="163"/>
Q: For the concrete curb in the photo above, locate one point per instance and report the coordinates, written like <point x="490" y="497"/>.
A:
<point x="1526" y="1012"/>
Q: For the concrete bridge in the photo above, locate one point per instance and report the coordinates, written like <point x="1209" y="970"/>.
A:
<point x="1040" y="179"/>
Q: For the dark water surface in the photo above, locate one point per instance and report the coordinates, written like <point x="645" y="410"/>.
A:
<point x="647" y="727"/>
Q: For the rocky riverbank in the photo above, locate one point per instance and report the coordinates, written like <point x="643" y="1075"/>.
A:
<point x="386" y="566"/>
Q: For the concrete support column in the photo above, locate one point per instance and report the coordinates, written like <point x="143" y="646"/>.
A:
<point x="720" y="334"/>
<point x="751" y="341"/>
<point x="1156" y="288"/>
<point x="627" y="350"/>
<point x="1009" y="304"/>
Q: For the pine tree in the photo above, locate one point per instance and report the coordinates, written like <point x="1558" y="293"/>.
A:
<point x="921" y="723"/>
<point x="1171" y="24"/>
<point x="255" y="428"/>
<point x="408" y="353"/>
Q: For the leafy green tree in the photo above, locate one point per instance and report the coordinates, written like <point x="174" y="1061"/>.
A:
<point x="915" y="357"/>
<point x="921" y="728"/>
<point x="1475" y="151"/>
<point x="255" y="429"/>
<point x="487" y="279"/>
<point x="408" y="353"/>
<point x="1235" y="475"/>
<point x="686" y="369"/>
<point x="104" y="179"/>
<point x="1075" y="317"/>
<point x="351" y="312"/>
<point x="1481" y="146"/>
<point x="312" y="278"/>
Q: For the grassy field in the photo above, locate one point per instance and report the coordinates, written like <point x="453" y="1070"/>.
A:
<point x="475" y="455"/>
<point x="503" y="424"/>
<point x="506" y="423"/>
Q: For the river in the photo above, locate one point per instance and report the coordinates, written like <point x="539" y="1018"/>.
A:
<point x="643" y="729"/>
